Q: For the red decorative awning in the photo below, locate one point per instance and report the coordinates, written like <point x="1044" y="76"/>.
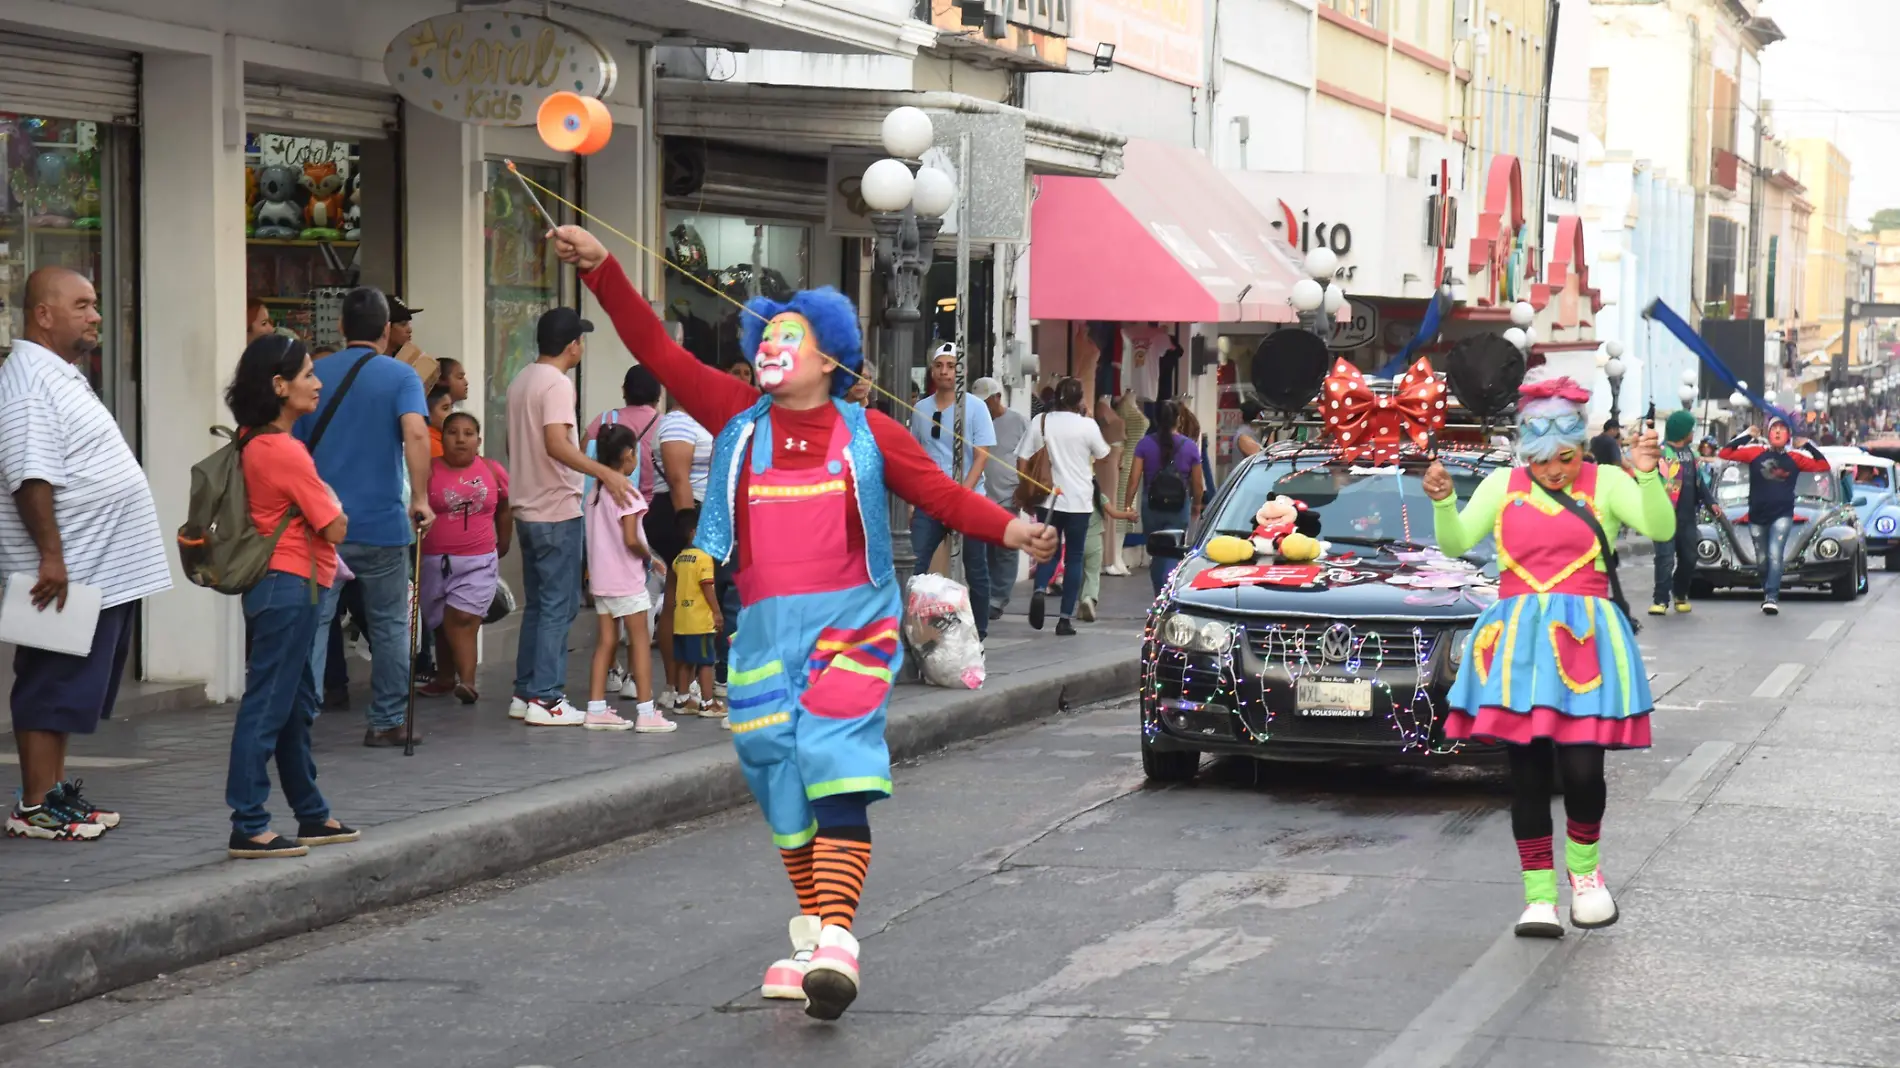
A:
<point x="1168" y="240"/>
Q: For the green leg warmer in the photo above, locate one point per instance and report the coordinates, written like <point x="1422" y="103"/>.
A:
<point x="1579" y="858"/>
<point x="1540" y="887"/>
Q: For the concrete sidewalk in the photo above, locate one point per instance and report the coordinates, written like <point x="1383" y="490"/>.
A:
<point x="484" y="795"/>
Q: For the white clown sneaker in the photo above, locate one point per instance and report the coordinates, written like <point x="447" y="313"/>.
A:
<point x="1590" y="902"/>
<point x="786" y="978"/>
<point x="1539" y="921"/>
<point x="831" y="979"/>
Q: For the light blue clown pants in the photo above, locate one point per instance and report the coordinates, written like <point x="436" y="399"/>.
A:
<point x="808" y="690"/>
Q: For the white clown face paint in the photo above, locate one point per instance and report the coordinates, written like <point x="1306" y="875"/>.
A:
<point x="788" y="360"/>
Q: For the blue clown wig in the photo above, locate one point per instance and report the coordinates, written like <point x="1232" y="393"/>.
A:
<point x="834" y="323"/>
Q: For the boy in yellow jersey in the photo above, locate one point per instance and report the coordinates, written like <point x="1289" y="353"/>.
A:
<point x="697" y="621"/>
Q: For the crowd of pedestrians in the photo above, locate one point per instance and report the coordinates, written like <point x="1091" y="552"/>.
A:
<point x="370" y="486"/>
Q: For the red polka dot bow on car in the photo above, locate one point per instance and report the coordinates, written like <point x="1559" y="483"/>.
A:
<point x="1365" y="423"/>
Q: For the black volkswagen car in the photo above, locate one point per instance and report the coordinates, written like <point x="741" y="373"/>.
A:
<point x="1826" y="549"/>
<point x="1346" y="658"/>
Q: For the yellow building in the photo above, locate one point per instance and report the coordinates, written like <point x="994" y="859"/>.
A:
<point x="1887" y="267"/>
<point x="1386" y="80"/>
<point x="1825" y="170"/>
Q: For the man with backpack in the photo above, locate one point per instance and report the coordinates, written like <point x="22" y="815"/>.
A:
<point x="376" y="424"/>
<point x="77" y="511"/>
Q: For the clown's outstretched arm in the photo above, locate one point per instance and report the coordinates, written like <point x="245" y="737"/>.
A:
<point x="914" y="476"/>
<point x="710" y="396"/>
<point x="1460" y="532"/>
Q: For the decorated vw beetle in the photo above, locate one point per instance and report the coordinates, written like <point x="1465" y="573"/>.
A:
<point x="1871" y="486"/>
<point x="1312" y="616"/>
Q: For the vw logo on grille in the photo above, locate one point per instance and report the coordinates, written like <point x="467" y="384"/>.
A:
<point x="1336" y="644"/>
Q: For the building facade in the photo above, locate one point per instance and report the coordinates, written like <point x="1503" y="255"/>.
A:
<point x="1831" y="275"/>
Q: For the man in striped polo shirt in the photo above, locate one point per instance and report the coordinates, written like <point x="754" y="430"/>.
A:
<point x="77" y="509"/>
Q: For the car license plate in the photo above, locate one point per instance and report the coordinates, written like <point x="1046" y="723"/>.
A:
<point x="1334" y="697"/>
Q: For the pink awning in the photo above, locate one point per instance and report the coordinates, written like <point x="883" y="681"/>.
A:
<point x="1168" y="240"/>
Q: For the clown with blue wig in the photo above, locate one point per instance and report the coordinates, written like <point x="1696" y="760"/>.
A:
<point x="797" y="502"/>
<point x="1551" y="668"/>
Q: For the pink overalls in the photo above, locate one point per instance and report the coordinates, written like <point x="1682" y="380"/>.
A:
<point x="817" y="645"/>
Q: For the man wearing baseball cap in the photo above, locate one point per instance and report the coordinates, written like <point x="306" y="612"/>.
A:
<point x="934" y="424"/>
<point x="545" y="471"/>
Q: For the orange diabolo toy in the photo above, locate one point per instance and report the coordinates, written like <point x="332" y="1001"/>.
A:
<point x="570" y="122"/>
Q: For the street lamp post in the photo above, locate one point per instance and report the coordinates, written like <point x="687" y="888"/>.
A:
<point x="1317" y="298"/>
<point x="1613" y="368"/>
<point x="907" y="202"/>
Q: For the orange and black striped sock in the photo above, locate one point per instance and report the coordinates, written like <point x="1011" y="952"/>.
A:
<point x="838" y="867"/>
<point x="798" y="866"/>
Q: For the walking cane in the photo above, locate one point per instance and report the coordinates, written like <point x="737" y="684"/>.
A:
<point x="415" y="638"/>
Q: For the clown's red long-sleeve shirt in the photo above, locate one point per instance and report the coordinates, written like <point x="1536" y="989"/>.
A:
<point x="713" y="398"/>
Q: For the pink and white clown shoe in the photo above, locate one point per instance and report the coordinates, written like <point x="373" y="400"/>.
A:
<point x="831" y="980"/>
<point x="785" y="979"/>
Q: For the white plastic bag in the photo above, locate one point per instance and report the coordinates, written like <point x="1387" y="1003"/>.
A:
<point x="940" y="630"/>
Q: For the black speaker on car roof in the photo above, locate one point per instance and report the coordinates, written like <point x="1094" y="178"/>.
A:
<point x="1484" y="372"/>
<point x="1288" y="367"/>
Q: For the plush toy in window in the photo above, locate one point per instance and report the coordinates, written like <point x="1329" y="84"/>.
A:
<point x="279" y="215"/>
<point x="353" y="215"/>
<point x="323" y="211"/>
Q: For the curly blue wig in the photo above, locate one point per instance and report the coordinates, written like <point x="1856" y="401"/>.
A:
<point x="834" y="323"/>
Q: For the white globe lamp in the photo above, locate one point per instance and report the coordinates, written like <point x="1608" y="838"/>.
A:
<point x="1321" y="263"/>
<point x="1687" y="394"/>
<point x="1614" y="348"/>
<point x="1741" y="383"/>
<point x="1614" y="368"/>
<point x="1530" y="340"/>
<point x="1335" y="299"/>
<point x="934" y="193"/>
<point x="907" y="133"/>
<point x="1737" y="400"/>
<point x="887" y="185"/>
<point x="1307" y="295"/>
<point x="1689" y="377"/>
<point x="1518" y="338"/>
<point x="1522" y="314"/>
<point x="1602" y="359"/>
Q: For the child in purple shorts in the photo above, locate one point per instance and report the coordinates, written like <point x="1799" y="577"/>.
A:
<point x="461" y="554"/>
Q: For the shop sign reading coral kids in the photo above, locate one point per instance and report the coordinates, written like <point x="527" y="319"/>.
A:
<point x="494" y="68"/>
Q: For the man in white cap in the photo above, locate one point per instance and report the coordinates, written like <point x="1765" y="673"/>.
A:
<point x="933" y="424"/>
<point x="1000" y="486"/>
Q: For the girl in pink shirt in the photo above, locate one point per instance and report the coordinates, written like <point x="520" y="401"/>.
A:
<point x="461" y="554"/>
<point x="617" y="559"/>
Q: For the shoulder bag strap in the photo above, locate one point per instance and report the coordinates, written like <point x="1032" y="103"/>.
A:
<point x="342" y="390"/>
<point x="1588" y="515"/>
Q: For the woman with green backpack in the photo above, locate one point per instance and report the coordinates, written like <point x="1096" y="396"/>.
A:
<point x="273" y="387"/>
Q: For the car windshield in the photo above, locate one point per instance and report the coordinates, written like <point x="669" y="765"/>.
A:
<point x="1868" y="476"/>
<point x="1731" y="485"/>
<point x="1356" y="506"/>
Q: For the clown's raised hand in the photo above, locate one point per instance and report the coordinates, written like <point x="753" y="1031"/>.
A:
<point x="578" y="247"/>
<point x="1038" y="539"/>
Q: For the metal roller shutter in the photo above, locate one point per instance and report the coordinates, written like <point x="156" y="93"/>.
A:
<point x="67" y="81"/>
<point x="323" y="112"/>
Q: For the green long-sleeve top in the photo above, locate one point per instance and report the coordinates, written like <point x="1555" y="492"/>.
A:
<point x="1640" y="503"/>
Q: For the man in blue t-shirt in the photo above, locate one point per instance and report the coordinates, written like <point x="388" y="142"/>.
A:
<point x="380" y="425"/>
<point x="934" y="425"/>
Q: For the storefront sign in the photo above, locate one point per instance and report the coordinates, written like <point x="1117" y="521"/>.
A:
<point x="1361" y="329"/>
<point x="493" y="68"/>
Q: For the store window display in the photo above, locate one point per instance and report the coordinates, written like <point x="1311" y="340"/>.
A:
<point x="60" y="206"/>
<point x="306" y="200"/>
<point x="720" y="251"/>
<point x="522" y="280"/>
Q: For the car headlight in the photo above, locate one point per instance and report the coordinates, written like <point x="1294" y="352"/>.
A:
<point x="1885" y="524"/>
<point x="1193" y="635"/>
<point x="1828" y="549"/>
<point x="1459" y="639"/>
<point x="1707" y="550"/>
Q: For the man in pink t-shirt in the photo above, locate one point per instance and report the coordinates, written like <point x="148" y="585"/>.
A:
<point x="546" y="469"/>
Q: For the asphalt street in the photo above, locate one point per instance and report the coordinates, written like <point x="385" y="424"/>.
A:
<point x="1031" y="902"/>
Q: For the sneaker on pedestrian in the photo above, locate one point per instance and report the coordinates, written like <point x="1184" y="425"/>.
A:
<point x="1086" y="612"/>
<point x="668" y="700"/>
<point x="628" y="689"/>
<point x="1591" y="905"/>
<point x="50" y="823"/>
<point x="1770" y="608"/>
<point x="602" y="718"/>
<point x="67" y="796"/>
<point x="831" y="979"/>
<point x="725" y="722"/>
<point x="554" y="714"/>
<point x="712" y="708"/>
<point x="1682" y="605"/>
<point x="322" y="834"/>
<point x="1038" y="608"/>
<point x="517" y="708"/>
<point x="1065" y="628"/>
<point x="393" y="738"/>
<point x="1658" y="609"/>
<point x="719" y="691"/>
<point x="617" y="678"/>
<point x="1539" y="921"/>
<point x="242" y="848"/>
<point x="996" y="612"/>
<point x="647" y="720"/>
<point x="785" y="979"/>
